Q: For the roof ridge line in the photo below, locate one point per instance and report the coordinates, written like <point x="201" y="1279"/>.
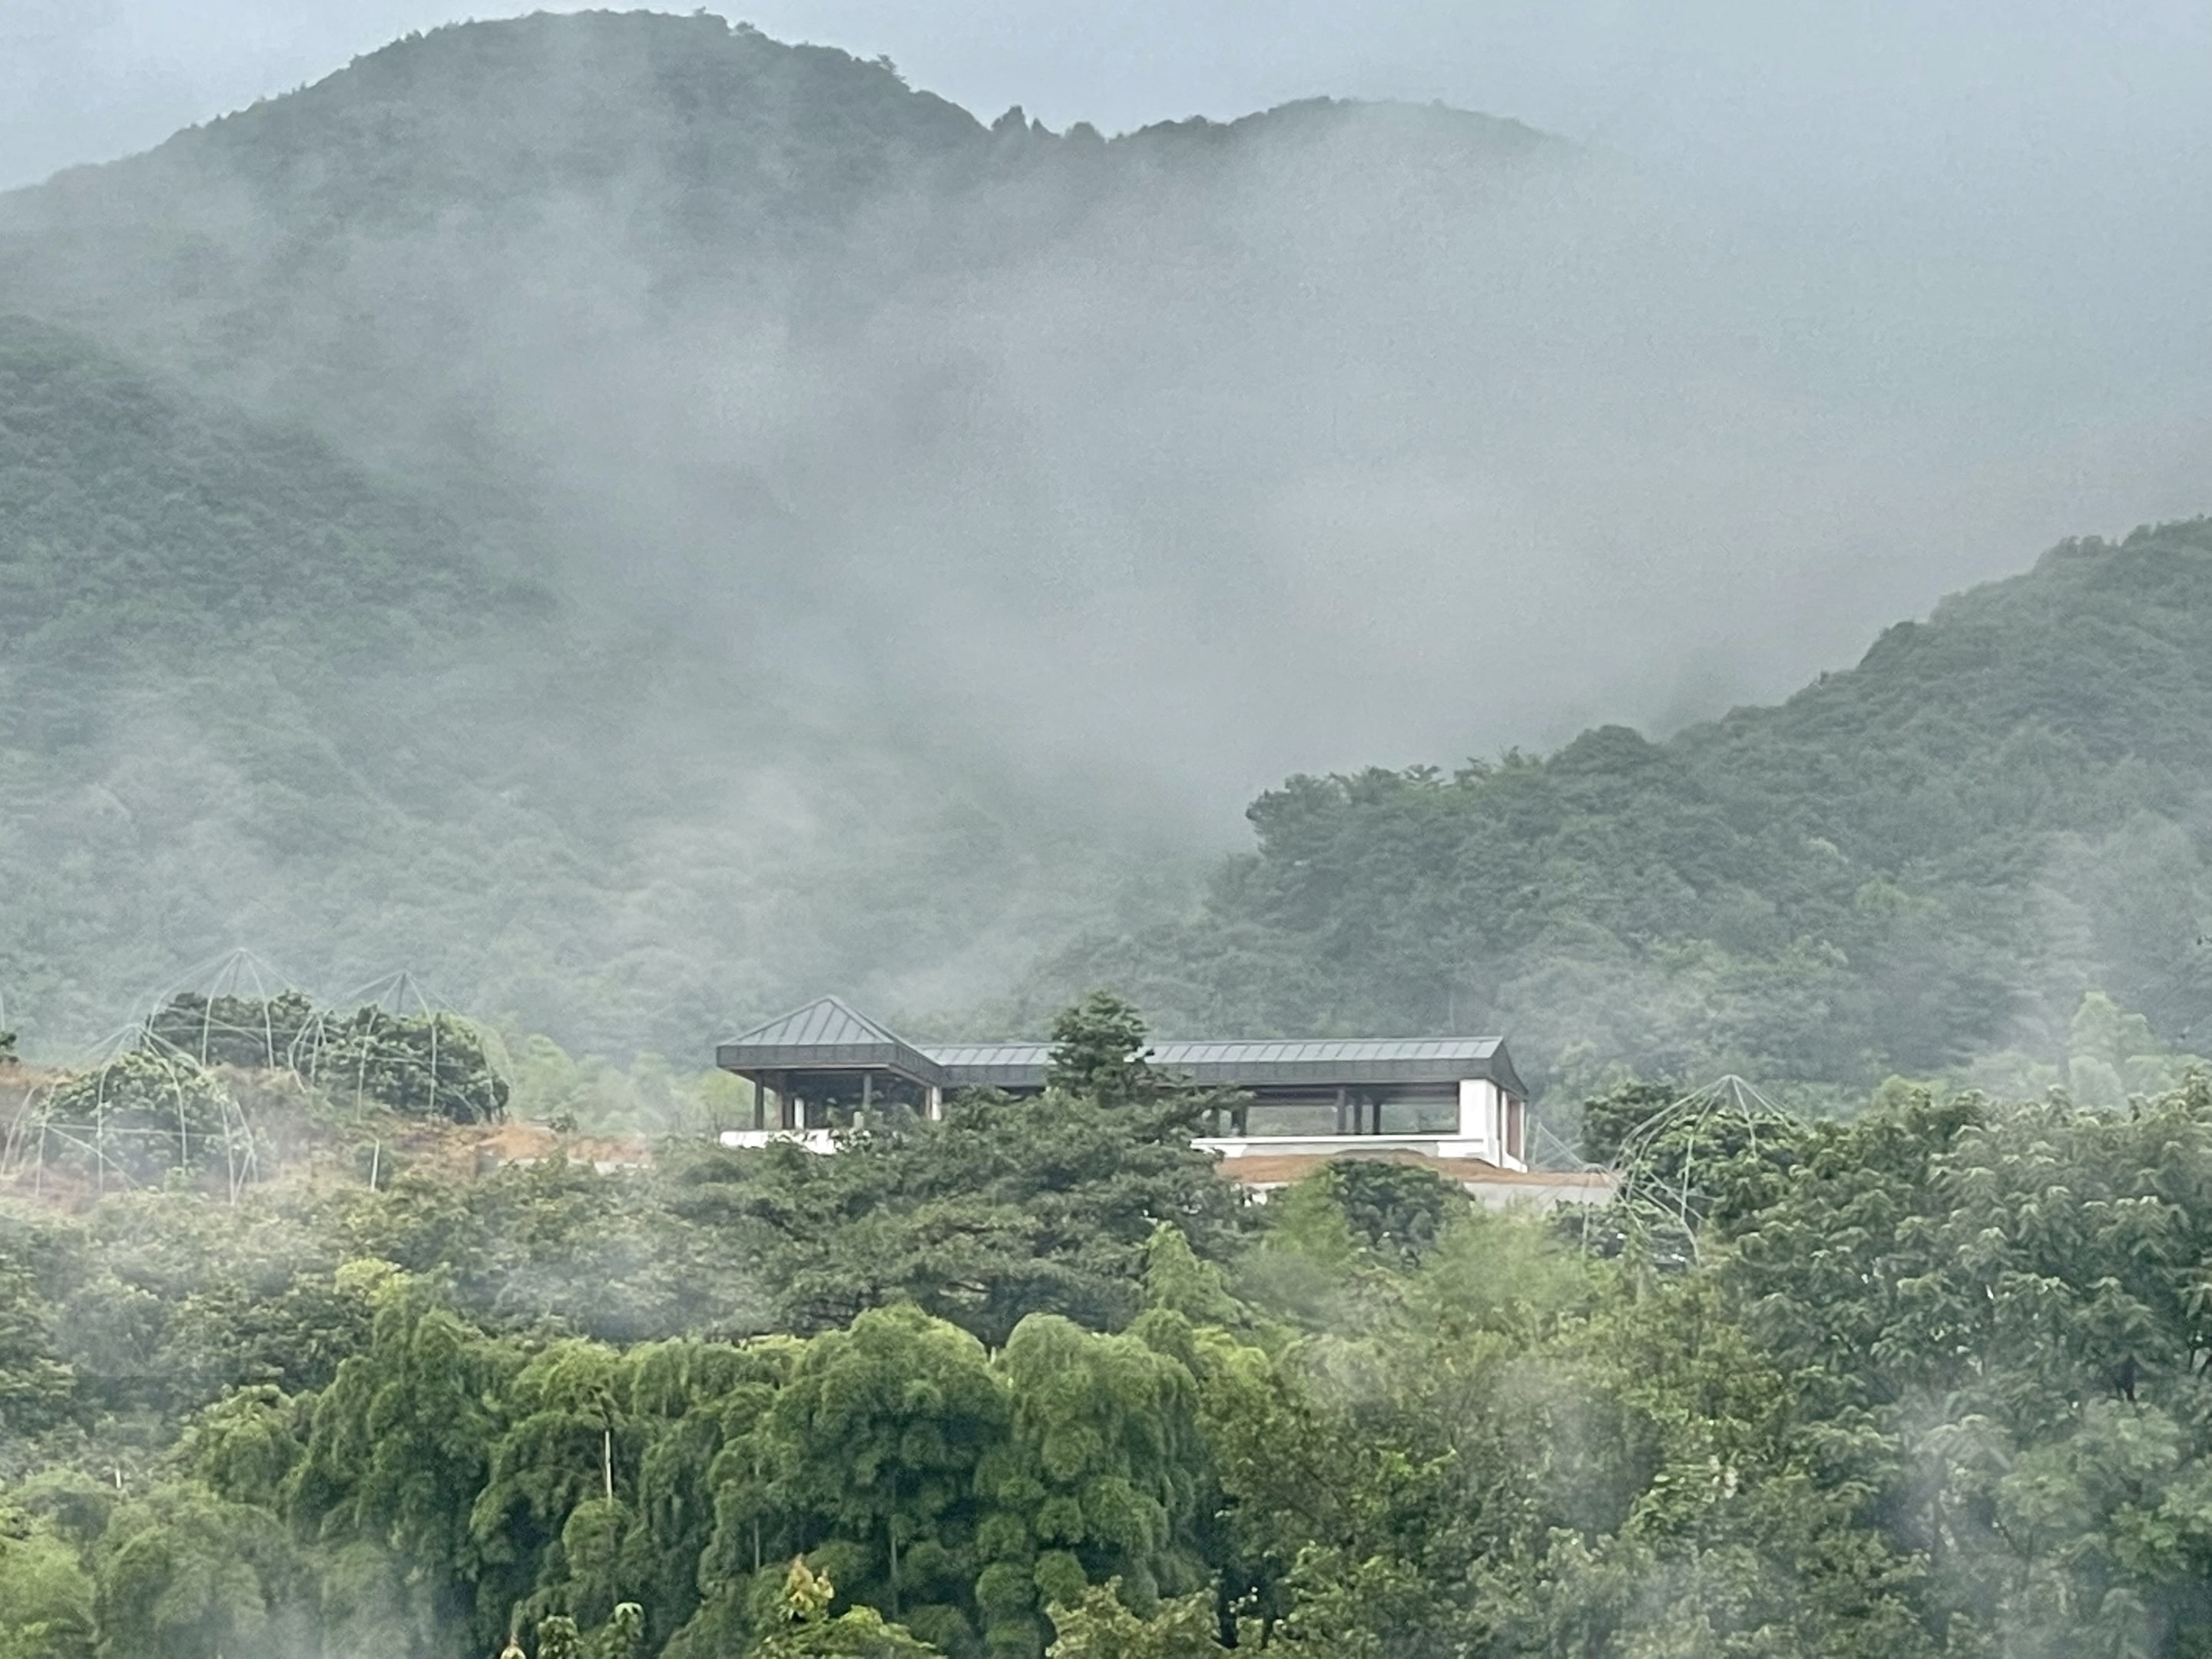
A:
<point x="1211" y="1042"/>
<point x="800" y="1019"/>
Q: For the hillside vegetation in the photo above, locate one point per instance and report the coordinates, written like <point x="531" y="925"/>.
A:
<point x="1924" y="1386"/>
<point x="1932" y="857"/>
<point x="446" y="531"/>
<point x="640" y="524"/>
<point x="256" y="694"/>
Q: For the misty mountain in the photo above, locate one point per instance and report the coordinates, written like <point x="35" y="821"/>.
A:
<point x="1933" y="855"/>
<point x="767" y="680"/>
<point x="1159" y="465"/>
<point x="255" y="696"/>
<point x="753" y="527"/>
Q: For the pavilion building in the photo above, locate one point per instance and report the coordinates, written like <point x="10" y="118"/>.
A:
<point x="1452" y="1103"/>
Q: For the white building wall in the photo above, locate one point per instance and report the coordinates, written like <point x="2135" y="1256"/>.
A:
<point x="1481" y="1118"/>
<point x="1486" y="1124"/>
<point x="814" y="1140"/>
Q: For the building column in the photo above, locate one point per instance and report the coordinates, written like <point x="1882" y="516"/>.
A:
<point x="935" y="1105"/>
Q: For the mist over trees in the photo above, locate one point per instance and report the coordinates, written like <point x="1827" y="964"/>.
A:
<point x="1926" y="862"/>
<point x="1032" y="1381"/>
<point x="259" y="695"/>
<point x="640" y="523"/>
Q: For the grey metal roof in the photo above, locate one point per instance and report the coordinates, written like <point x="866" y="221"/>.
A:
<point x="1349" y="1062"/>
<point x="828" y="1035"/>
<point x="992" y="1053"/>
<point x="995" y="1065"/>
<point x="827" y="1022"/>
<point x="1324" y="1051"/>
<point x="825" y="1036"/>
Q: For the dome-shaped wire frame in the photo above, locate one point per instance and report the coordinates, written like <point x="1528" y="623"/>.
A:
<point x="104" y="1125"/>
<point x="370" y="1034"/>
<point x="176" y="1034"/>
<point x="235" y="1009"/>
<point x="1655" y="1196"/>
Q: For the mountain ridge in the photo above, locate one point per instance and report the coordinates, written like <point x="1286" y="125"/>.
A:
<point x="859" y="522"/>
<point x="1932" y="855"/>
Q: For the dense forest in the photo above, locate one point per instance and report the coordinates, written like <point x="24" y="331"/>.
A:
<point x="573" y="533"/>
<point x="1920" y="865"/>
<point x="1929" y="1383"/>
<point x="1923" y="864"/>
<point x="257" y="694"/>
<point x="346" y="624"/>
<point x="640" y="525"/>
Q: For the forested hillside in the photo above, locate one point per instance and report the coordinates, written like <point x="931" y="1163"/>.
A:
<point x="1928" y="1385"/>
<point x="1934" y="855"/>
<point x="256" y="694"/>
<point x="637" y="524"/>
<point x="493" y="514"/>
<point x="640" y="524"/>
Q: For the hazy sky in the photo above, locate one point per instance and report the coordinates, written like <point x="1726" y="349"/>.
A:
<point x="1913" y="97"/>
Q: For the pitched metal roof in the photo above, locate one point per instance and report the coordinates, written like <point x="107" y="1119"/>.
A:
<point x="828" y="1021"/>
<point x="1349" y="1062"/>
<point x="825" y="1036"/>
<point x="828" y="1035"/>
<point x="995" y="1065"/>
